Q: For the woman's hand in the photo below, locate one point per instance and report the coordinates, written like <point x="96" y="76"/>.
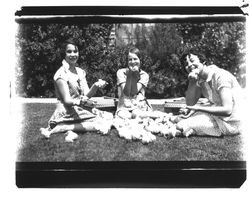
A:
<point x="184" y="111"/>
<point x="84" y="98"/>
<point x="193" y="75"/>
<point x="100" y="83"/>
<point x="134" y="68"/>
<point x="188" y="114"/>
<point x="86" y="102"/>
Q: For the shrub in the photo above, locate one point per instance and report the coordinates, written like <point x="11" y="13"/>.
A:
<point x="161" y="44"/>
<point x="39" y="54"/>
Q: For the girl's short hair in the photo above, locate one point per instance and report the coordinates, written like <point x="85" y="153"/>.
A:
<point x="199" y="54"/>
<point x="64" y="46"/>
<point x="135" y="51"/>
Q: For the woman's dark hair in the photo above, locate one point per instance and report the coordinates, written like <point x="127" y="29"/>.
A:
<point x="135" y="51"/>
<point x="199" y="54"/>
<point x="64" y="45"/>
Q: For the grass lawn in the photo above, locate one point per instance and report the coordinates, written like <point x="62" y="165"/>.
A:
<point x="91" y="146"/>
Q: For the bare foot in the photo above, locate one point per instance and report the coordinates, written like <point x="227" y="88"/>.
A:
<point x="45" y="132"/>
<point x="189" y="132"/>
<point x="70" y="136"/>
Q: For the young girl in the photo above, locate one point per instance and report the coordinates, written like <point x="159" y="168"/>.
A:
<point x="220" y="87"/>
<point x="134" y="116"/>
<point x="132" y="82"/>
<point x="73" y="112"/>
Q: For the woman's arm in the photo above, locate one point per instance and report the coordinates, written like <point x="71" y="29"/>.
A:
<point x="126" y="87"/>
<point x="89" y="92"/>
<point x="92" y="91"/>
<point x="64" y="94"/>
<point x="132" y="86"/>
<point x="99" y="84"/>
<point x="224" y="110"/>
<point x="193" y="93"/>
<point x="139" y="86"/>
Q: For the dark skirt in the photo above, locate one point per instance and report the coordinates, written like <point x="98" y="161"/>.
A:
<point x="72" y="114"/>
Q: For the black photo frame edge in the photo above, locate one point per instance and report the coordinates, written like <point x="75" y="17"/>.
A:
<point x="130" y="174"/>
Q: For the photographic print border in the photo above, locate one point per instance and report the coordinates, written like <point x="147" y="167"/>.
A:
<point x="132" y="174"/>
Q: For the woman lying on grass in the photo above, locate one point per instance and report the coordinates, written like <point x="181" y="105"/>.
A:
<point x="220" y="87"/>
<point x="74" y="110"/>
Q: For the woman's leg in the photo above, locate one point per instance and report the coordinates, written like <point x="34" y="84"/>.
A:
<point x="201" y="124"/>
<point x="60" y="128"/>
<point x="101" y="125"/>
<point x="63" y="128"/>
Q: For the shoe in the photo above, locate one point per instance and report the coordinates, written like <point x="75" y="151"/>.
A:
<point x="45" y="132"/>
<point x="188" y="132"/>
<point x="70" y="136"/>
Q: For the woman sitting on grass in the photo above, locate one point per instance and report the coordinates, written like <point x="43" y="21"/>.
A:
<point x="220" y="87"/>
<point x="132" y="82"/>
<point x="134" y="116"/>
<point x="74" y="111"/>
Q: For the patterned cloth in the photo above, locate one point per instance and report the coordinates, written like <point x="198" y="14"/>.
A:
<point x="78" y="86"/>
<point x="71" y="115"/>
<point x="208" y="124"/>
<point x="77" y="83"/>
<point x="219" y="78"/>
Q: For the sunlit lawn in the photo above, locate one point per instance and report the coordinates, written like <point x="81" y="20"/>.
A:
<point x="91" y="146"/>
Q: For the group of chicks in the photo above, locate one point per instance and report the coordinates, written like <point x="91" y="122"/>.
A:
<point x="145" y="129"/>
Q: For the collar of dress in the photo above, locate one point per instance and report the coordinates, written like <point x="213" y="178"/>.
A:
<point x="65" y="65"/>
<point x="209" y="77"/>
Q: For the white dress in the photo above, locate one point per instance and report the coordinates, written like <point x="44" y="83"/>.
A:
<point x="207" y="124"/>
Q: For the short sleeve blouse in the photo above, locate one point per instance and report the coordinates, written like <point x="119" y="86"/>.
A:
<point x="122" y="76"/>
<point x="77" y="85"/>
<point x="221" y="78"/>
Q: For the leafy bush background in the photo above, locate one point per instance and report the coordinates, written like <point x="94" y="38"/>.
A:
<point x="38" y="54"/>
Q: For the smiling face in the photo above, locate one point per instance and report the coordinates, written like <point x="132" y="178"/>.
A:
<point x="192" y="63"/>
<point x="193" y="66"/>
<point x="71" y="54"/>
<point x="133" y="61"/>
